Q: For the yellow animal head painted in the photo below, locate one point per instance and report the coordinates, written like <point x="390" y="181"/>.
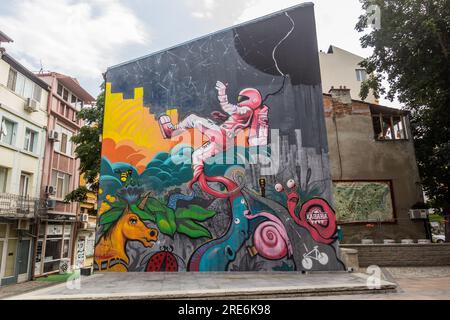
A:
<point x="133" y="228"/>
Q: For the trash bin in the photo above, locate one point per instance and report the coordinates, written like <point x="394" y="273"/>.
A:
<point x="86" y="271"/>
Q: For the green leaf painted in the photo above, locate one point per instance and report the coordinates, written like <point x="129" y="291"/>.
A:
<point x="192" y="229"/>
<point x="166" y="223"/>
<point x="117" y="204"/>
<point x="143" y="215"/>
<point x="194" y="212"/>
<point x="154" y="205"/>
<point x="111" y="216"/>
<point x="106" y="227"/>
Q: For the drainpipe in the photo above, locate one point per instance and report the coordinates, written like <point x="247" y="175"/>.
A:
<point x="74" y="240"/>
<point x="35" y="243"/>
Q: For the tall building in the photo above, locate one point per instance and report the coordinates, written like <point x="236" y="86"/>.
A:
<point x="23" y="122"/>
<point x="340" y="68"/>
<point x="56" y="241"/>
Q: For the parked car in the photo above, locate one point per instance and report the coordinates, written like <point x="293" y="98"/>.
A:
<point x="438" y="238"/>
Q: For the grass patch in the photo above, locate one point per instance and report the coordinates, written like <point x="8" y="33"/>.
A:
<point x="59" y="277"/>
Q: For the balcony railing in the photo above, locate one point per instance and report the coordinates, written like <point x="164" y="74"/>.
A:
<point x="15" y="206"/>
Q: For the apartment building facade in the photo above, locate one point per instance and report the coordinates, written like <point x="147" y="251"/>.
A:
<point x="339" y="67"/>
<point x="23" y="122"/>
<point x="57" y="230"/>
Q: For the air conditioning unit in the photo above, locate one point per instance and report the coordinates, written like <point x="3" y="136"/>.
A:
<point x="23" y="224"/>
<point x="51" y="190"/>
<point x="53" y="135"/>
<point x="51" y="204"/>
<point x="84" y="217"/>
<point x="84" y="225"/>
<point x="31" y="105"/>
<point x="415" y="214"/>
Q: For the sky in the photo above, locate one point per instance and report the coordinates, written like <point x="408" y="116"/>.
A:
<point x="82" y="38"/>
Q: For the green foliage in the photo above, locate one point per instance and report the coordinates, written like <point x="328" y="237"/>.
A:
<point x="183" y="220"/>
<point x="166" y="222"/>
<point x="194" y="212"/>
<point x="108" y="218"/>
<point x="192" y="229"/>
<point x="77" y="195"/>
<point x="88" y="147"/>
<point x="411" y="51"/>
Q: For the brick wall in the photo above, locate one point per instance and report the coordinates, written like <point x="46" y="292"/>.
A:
<point x="402" y="255"/>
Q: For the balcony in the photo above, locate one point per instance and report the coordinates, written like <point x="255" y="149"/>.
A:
<point x="20" y="207"/>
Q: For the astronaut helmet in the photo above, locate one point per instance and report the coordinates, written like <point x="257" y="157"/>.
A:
<point x="250" y="97"/>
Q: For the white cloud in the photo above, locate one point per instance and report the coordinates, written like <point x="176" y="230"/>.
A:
<point x="204" y="9"/>
<point x="79" y="39"/>
<point x="257" y="8"/>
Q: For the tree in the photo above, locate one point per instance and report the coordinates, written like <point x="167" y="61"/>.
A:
<point x="411" y="51"/>
<point x="88" y="148"/>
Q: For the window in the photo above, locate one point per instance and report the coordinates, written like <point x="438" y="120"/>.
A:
<point x="23" y="86"/>
<point x="37" y="93"/>
<point x="389" y="127"/>
<point x="361" y="74"/>
<point x="399" y="129"/>
<point x="12" y="79"/>
<point x="65" y="94"/>
<point x="60" y="89"/>
<point x="73" y="99"/>
<point x="30" y="140"/>
<point x="53" y="249"/>
<point x="28" y="89"/>
<point x="8" y="131"/>
<point x="24" y="184"/>
<point x="66" y="248"/>
<point x="79" y="105"/>
<point x="62" y="182"/>
<point x="65" y="144"/>
<point x="3" y="179"/>
<point x="20" y="84"/>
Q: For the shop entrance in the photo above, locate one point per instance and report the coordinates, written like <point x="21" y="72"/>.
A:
<point x="23" y="259"/>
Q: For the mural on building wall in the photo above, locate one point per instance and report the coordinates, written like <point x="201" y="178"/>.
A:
<point x="363" y="201"/>
<point x="215" y="158"/>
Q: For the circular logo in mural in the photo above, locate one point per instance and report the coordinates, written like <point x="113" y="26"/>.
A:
<point x="320" y="219"/>
<point x="315" y="214"/>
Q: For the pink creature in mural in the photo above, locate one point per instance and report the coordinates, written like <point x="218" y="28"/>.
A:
<point x="270" y="238"/>
<point x="316" y="214"/>
<point x="250" y="112"/>
<point x="292" y="195"/>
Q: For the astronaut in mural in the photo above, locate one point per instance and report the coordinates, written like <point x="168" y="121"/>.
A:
<point x="250" y="112"/>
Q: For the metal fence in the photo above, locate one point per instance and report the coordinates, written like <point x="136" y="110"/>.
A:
<point x="15" y="206"/>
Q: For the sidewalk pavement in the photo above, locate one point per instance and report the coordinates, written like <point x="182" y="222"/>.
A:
<point x="414" y="283"/>
<point x="21" y="288"/>
<point x="226" y="285"/>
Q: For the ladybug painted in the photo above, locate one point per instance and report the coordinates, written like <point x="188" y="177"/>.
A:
<point x="162" y="261"/>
